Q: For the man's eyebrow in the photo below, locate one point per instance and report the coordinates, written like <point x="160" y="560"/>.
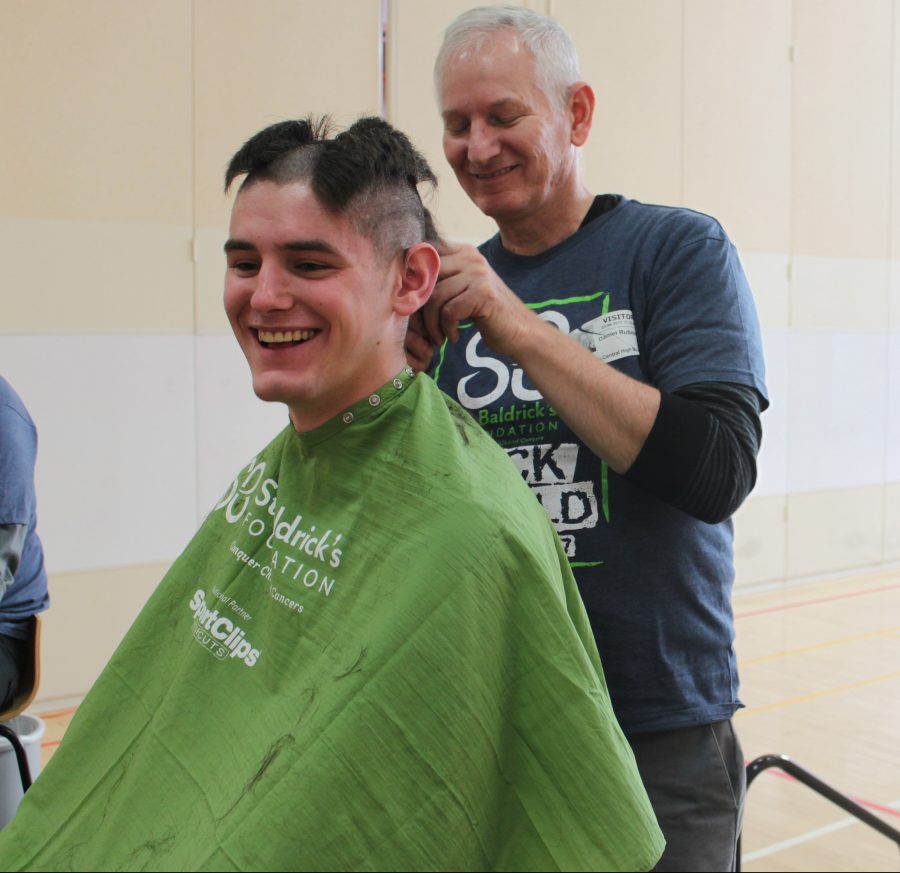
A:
<point x="300" y="245"/>
<point x="503" y="103"/>
<point x="238" y="245"/>
<point x="506" y="101"/>
<point x="309" y="245"/>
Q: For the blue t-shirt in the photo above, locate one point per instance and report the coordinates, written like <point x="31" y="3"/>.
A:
<point x="658" y="293"/>
<point x="27" y="594"/>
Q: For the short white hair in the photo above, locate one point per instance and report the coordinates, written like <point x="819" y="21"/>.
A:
<point x="555" y="58"/>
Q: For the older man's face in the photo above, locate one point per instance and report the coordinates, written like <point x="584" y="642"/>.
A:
<point x="508" y="143"/>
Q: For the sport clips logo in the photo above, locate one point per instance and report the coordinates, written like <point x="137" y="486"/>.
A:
<point x="218" y="634"/>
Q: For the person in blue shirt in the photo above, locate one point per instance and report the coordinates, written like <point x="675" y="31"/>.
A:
<point x="613" y="349"/>
<point x="23" y="579"/>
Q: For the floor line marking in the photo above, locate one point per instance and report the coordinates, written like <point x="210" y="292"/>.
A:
<point x="878" y="807"/>
<point x="57" y="713"/>
<point x="802" y="650"/>
<point x="807" y="837"/>
<point x="767" y="609"/>
<point x="756" y="710"/>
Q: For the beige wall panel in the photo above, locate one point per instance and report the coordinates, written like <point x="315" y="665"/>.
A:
<point x="892" y="522"/>
<point x="284" y="60"/>
<point x="895" y="179"/>
<point x="895" y="159"/>
<point x="97" y="101"/>
<point x="88" y="616"/>
<point x="737" y="104"/>
<point x="632" y="55"/>
<point x="415" y="31"/>
<point x="209" y="280"/>
<point x="841" y="128"/>
<point x="829" y="531"/>
<point x="759" y="541"/>
<point x="95" y="277"/>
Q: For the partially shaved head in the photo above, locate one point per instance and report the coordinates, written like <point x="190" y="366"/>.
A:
<point x="370" y="173"/>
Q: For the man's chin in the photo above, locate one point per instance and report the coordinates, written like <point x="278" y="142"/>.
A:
<point x="273" y="392"/>
<point x="498" y="206"/>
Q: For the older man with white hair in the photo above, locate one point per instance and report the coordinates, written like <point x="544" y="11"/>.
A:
<point x="613" y="349"/>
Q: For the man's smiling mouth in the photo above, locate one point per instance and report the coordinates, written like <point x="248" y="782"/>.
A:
<point x="487" y="176"/>
<point x="283" y="337"/>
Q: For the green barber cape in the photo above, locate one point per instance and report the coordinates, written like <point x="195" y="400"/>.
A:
<point x="372" y="656"/>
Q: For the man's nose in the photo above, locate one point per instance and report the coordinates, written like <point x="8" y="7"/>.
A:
<point x="483" y="144"/>
<point x="270" y="291"/>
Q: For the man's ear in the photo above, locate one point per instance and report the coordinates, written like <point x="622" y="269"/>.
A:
<point x="421" y="266"/>
<point x="581" y="106"/>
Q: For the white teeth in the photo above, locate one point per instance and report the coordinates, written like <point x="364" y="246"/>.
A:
<point x="493" y="175"/>
<point x="290" y="336"/>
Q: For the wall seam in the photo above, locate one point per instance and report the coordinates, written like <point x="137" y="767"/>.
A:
<point x="682" y="162"/>
<point x="792" y="50"/>
<point x="891" y="218"/>
<point x="195" y="254"/>
<point x="383" y="66"/>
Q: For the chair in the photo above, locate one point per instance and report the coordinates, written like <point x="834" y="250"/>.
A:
<point x="792" y="768"/>
<point x="31" y="677"/>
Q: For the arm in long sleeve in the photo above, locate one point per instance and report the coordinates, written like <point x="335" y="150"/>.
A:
<point x="700" y="455"/>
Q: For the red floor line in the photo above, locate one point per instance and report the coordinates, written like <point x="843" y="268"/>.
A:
<point x="57" y="713"/>
<point x="50" y="744"/>
<point x="797" y="605"/>
<point x="780" y="774"/>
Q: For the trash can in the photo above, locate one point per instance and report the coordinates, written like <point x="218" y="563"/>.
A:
<point x="30" y="729"/>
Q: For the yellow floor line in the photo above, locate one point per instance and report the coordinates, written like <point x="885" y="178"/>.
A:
<point x="803" y="650"/>
<point x="756" y="710"/>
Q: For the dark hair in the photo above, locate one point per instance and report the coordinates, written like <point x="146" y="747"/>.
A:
<point x="370" y="173"/>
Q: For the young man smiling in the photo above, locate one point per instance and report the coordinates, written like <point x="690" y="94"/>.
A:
<point x="372" y="655"/>
<point x="318" y="309"/>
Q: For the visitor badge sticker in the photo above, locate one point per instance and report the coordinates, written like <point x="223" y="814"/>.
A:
<point x="609" y="337"/>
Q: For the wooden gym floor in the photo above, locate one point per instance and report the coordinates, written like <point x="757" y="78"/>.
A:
<point x="820" y="677"/>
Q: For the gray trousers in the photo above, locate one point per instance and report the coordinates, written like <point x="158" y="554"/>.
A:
<point x="697" y="782"/>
